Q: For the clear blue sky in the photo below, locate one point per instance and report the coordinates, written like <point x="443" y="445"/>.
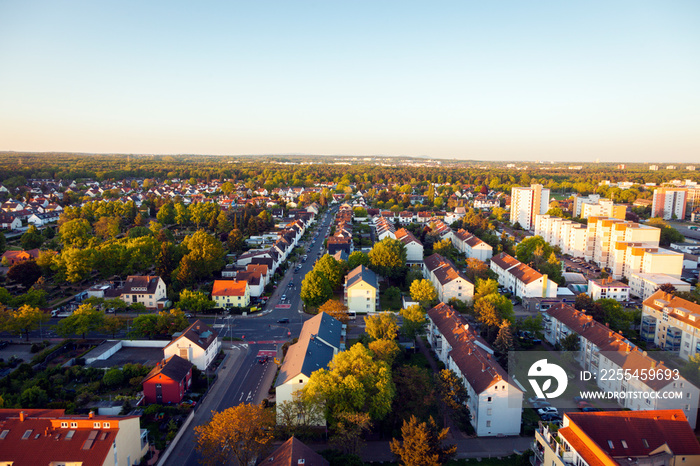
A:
<point x="487" y="80"/>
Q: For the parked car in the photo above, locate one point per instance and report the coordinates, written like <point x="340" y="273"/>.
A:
<point x="551" y="417"/>
<point x="535" y="399"/>
<point x="547" y="410"/>
<point x="583" y="404"/>
<point x="541" y="404"/>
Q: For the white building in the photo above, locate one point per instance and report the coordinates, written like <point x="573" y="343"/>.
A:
<point x="669" y="203"/>
<point x="607" y="288"/>
<point x="198" y="344"/>
<point x="414" y="248"/>
<point x="361" y="292"/>
<point x="471" y="246"/>
<point x="644" y="285"/>
<point x="594" y="206"/>
<point x="526" y="203"/>
<point x="522" y="280"/>
<point x="495" y="403"/>
<point x="148" y="290"/>
<point x="570" y="236"/>
<point x="448" y="281"/>
<point x="603" y="351"/>
<point x="672" y="323"/>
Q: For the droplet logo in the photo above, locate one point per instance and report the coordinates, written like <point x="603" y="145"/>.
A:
<point x="541" y="369"/>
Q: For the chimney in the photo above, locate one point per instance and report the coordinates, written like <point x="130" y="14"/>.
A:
<point x="91" y="414"/>
<point x="607" y="324"/>
<point x="644" y="353"/>
<point x="21" y="416"/>
<point x="483" y="367"/>
<point x="469" y="351"/>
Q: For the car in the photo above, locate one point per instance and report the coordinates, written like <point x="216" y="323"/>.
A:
<point x="535" y="399"/>
<point x="291" y="285"/>
<point x="188" y="315"/>
<point x="583" y="404"/>
<point x="540" y="404"/>
<point x="283" y="321"/>
<point x="551" y="417"/>
<point x="547" y="410"/>
<point x="589" y="409"/>
<point x="283" y="298"/>
<point x="263" y="359"/>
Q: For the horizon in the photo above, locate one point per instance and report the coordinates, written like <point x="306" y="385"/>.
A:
<point x="458" y="81"/>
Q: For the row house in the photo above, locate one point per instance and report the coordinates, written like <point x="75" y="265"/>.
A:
<point x="384" y="228"/>
<point x="471" y="246"/>
<point x="41" y="219"/>
<point x="168" y="381"/>
<point x="603" y="351"/>
<point x="655" y="437"/>
<point x="449" y="282"/>
<point x="423" y="217"/>
<point x="414" y="248"/>
<point x="495" y="402"/>
<point x="407" y="217"/>
<point x="321" y="338"/>
<point x="672" y="324"/>
<point x="9" y="221"/>
<point x="442" y="229"/>
<point x="522" y="280"/>
<point x="458" y="214"/>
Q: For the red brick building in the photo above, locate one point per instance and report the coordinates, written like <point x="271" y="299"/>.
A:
<point x="168" y="381"/>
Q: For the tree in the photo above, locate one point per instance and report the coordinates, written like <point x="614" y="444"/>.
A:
<point x="424" y="292"/>
<point x="476" y="269"/>
<point x="422" y="444"/>
<point x="666" y="288"/>
<point x="570" y="342"/>
<point x="486" y="314"/>
<point x="166" y="214"/>
<point x="388" y="257"/>
<point x="336" y="309"/>
<point x="668" y="233"/>
<point x="113" y="325"/>
<point x="298" y="415"/>
<point x="76" y="233"/>
<point x="241" y="433"/>
<point x="382" y="326"/>
<point x="353" y="383"/>
<point x="583" y="302"/>
<point x="195" y="301"/>
<point x="315" y="289"/>
<point x="108" y="227"/>
<point x="484" y="288"/>
<point x="3" y="242"/>
<point x="26" y="273"/>
<point x="144" y="326"/>
<point x="31" y="239"/>
<point x="504" y="339"/>
<point x="73" y="264"/>
<point x="22" y="321"/>
<point x="414" y="320"/>
<point x="331" y="268"/>
<point x="452" y="390"/>
<point x="235" y="240"/>
<point x="169" y="323"/>
<point x="85" y="319"/>
<point x="445" y="248"/>
<point x="415" y="392"/>
<point x="347" y="435"/>
<point x="385" y="350"/>
<point x="356" y="259"/>
<point x="205" y="253"/>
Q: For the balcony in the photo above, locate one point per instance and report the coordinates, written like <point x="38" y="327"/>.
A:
<point x="648" y="328"/>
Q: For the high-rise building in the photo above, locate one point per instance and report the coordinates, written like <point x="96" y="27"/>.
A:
<point x="594" y="206"/>
<point x="669" y="203"/>
<point x="527" y="203"/>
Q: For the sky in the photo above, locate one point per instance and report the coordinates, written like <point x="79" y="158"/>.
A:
<point x="480" y="80"/>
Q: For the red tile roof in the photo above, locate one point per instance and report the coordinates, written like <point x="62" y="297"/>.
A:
<point x="229" y="288"/>
<point x="291" y="451"/>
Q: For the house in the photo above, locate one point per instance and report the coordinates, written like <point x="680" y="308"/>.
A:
<point x="672" y="323"/>
<point x="293" y="452"/>
<point x="658" y="437"/>
<point x="522" y="280"/>
<point x="338" y="243"/>
<point x="168" y="381"/>
<point x="414" y="248"/>
<point x="198" y="344"/>
<point x="41" y="219"/>
<point x="449" y="282"/>
<point x="52" y="437"/>
<point x="607" y="288"/>
<point x="361" y="290"/>
<point x="604" y="351"/>
<point x="472" y="246"/>
<point x="231" y="293"/>
<point x="495" y="402"/>
<point x="321" y="338"/>
<point x="148" y="290"/>
<point x="10" y="221"/>
<point x="13" y="257"/>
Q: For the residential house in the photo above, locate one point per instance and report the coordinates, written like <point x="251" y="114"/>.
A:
<point x="495" y="402"/>
<point x="10" y="221"/>
<point x="471" y="246"/>
<point x="198" y="344"/>
<point x="449" y="282"/>
<point x="602" y="438"/>
<point x="603" y="351"/>
<point x="13" y="257"/>
<point x="672" y="324"/>
<point x="168" y="381"/>
<point x="52" y="437"/>
<point x="321" y="338"/>
<point x="361" y="290"/>
<point x="607" y="288"/>
<point x="148" y="290"/>
<point x="41" y="219"/>
<point x="414" y="248"/>
<point x="522" y="280"/>
<point x="338" y="243"/>
<point x="294" y="452"/>
<point x="231" y="293"/>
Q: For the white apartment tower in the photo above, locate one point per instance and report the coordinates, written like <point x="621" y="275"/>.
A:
<point x="527" y="203"/>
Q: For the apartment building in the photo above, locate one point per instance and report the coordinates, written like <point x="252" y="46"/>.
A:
<point x="361" y="293"/>
<point x="449" y="282"/>
<point x="604" y="233"/>
<point x="522" y="280"/>
<point x="52" y="437"/>
<point x="672" y="323"/>
<point x="414" y="248"/>
<point x="472" y="246"/>
<point x="669" y="203"/>
<point x="594" y="206"/>
<point x="643" y="285"/>
<point x="611" y="438"/>
<point x="526" y="203"/>
<point x="570" y="236"/>
<point x="631" y="257"/>
<point x="495" y="402"/>
<point x="607" y="288"/>
<point x="603" y="351"/>
<point x="198" y="344"/>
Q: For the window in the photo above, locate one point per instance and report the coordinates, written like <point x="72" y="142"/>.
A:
<point x="489" y="412"/>
<point x="611" y="445"/>
<point x="488" y="399"/>
<point x="96" y="425"/>
<point x="488" y="423"/>
<point x="106" y="425"/>
<point x="301" y="381"/>
<point x="646" y="444"/>
<point x="624" y="443"/>
<point x="64" y="425"/>
<point x="73" y="425"/>
<point x="27" y="434"/>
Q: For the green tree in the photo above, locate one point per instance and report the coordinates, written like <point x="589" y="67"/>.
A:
<point x="205" y="253"/>
<point x="171" y="322"/>
<point x="195" y="301"/>
<point x="108" y="227"/>
<point x="382" y="326"/>
<point x="388" y="257"/>
<point x="356" y="259"/>
<point x="144" y="326"/>
<point x="74" y="264"/>
<point x="668" y="233"/>
<point x="235" y="240"/>
<point x="385" y="350"/>
<point x="3" y="242"/>
<point x="487" y="314"/>
<point x="31" y="239"/>
<point x="353" y="383"/>
<point x="424" y="292"/>
<point x="23" y="320"/>
<point x="34" y="397"/>
<point x="452" y="390"/>
<point x="414" y="321"/>
<point x="113" y="377"/>
<point x="76" y="233"/>
<point x="84" y="320"/>
<point x="422" y="444"/>
<point x="484" y="288"/>
<point x="166" y="214"/>
<point x="570" y="342"/>
<point x="331" y="268"/>
<point x="240" y="433"/>
<point x="113" y="325"/>
<point x="504" y="339"/>
<point x="415" y="392"/>
<point x="315" y="289"/>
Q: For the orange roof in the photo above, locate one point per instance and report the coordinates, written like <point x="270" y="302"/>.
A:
<point x="229" y="288"/>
